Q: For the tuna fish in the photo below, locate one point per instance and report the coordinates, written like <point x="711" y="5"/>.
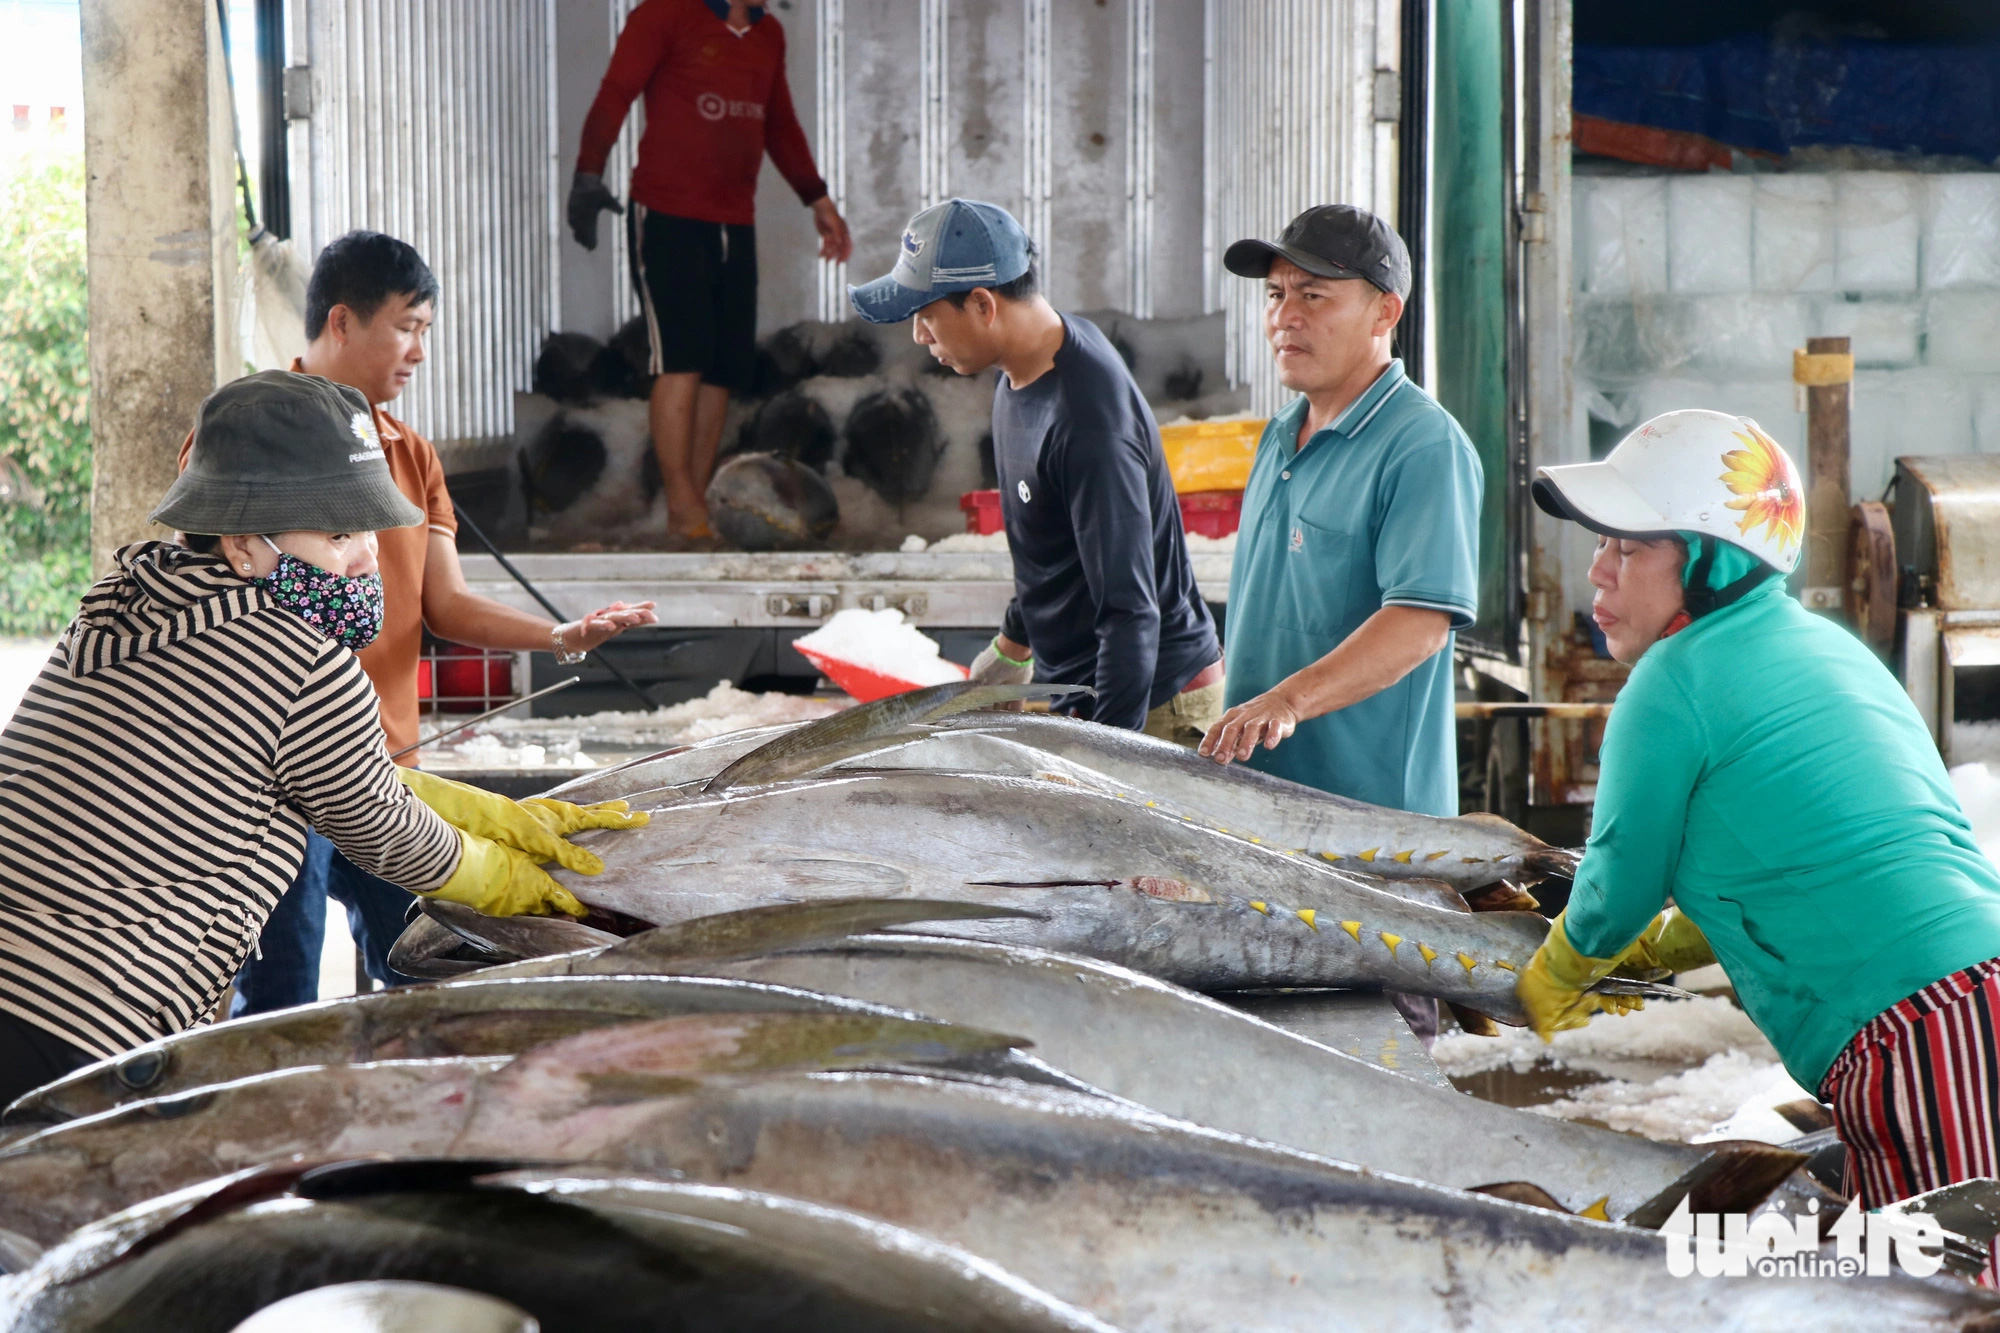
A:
<point x="938" y="729"/>
<point x="761" y="502"/>
<point x="1468" y="852"/>
<point x="475" y="1017"/>
<point x="1160" y="1226"/>
<point x="60" y="1178"/>
<point x="382" y="1305"/>
<point x="678" y="764"/>
<point x="1147" y="1222"/>
<point x="589" y="1253"/>
<point x="1110" y="878"/>
<point x="795" y="749"/>
<point x="1107" y="1026"/>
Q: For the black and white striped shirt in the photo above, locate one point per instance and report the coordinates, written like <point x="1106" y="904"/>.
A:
<point x="156" y="784"/>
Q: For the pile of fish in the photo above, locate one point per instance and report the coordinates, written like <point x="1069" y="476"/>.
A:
<point x="894" y="1021"/>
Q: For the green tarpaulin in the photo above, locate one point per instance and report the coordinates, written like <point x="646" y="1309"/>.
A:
<point x="1468" y="316"/>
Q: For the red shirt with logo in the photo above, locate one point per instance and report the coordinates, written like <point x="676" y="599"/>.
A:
<point x="716" y="100"/>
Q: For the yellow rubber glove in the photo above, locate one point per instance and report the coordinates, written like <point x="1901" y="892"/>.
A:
<point x="1554" y="987"/>
<point x="503" y="881"/>
<point x="509" y="822"/>
<point x="562" y="818"/>
<point x="1671" y="944"/>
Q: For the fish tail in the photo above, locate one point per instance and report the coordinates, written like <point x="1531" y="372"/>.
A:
<point x="1552" y="863"/>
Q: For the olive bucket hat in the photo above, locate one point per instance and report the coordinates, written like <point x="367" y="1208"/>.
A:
<point x="281" y="452"/>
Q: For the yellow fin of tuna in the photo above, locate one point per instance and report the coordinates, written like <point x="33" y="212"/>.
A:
<point x="1435" y="855"/>
<point x="1467" y="961"/>
<point x="1306" y="914"/>
<point x="1430" y="954"/>
<point x="1391" y="940"/>
<point x="1598" y="1210"/>
<point x="1353" y="928"/>
<point x="1369" y="855"/>
<point x="1502" y="962"/>
<point x="1404" y="857"/>
<point x="1262" y="907"/>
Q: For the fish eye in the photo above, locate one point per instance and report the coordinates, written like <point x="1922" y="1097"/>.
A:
<point x="142" y="1070"/>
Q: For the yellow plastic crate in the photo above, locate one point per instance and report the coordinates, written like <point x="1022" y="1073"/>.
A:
<point x="1211" y="455"/>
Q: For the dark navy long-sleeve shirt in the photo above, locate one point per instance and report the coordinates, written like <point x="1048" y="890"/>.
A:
<point x="1103" y="591"/>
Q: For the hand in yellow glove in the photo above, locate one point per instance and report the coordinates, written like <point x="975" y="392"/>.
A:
<point x="1555" y="986"/>
<point x="1670" y="944"/>
<point x="503" y="881"/>
<point x="563" y="818"/>
<point x="536" y="829"/>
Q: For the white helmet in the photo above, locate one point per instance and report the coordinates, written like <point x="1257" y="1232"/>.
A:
<point x="1689" y="471"/>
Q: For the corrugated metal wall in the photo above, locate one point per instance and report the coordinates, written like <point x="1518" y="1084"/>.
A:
<point x="1293" y="123"/>
<point x="434" y="121"/>
<point x="1072" y="116"/>
<point x="617" y="170"/>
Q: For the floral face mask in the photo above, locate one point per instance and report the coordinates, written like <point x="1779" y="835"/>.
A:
<point x="346" y="610"/>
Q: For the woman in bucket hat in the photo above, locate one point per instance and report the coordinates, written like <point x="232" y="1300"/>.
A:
<point x="1765" y="774"/>
<point x="200" y="713"/>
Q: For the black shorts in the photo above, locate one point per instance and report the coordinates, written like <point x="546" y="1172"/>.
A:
<point x="697" y="286"/>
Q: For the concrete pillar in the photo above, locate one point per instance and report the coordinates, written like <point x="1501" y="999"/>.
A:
<point x="161" y="239"/>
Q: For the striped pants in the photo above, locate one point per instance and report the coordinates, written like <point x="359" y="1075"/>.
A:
<point x="1916" y="1094"/>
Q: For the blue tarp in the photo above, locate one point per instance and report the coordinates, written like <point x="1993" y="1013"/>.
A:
<point x="1774" y="95"/>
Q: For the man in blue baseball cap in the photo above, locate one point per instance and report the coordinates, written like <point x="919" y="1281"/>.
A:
<point x="1103" y="591"/>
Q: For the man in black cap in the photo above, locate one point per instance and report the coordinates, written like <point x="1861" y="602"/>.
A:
<point x="1358" y="554"/>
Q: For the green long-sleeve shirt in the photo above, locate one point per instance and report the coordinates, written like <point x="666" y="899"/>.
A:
<point x="1764" y="770"/>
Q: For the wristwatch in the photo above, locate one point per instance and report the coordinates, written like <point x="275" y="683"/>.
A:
<point x="564" y="657"/>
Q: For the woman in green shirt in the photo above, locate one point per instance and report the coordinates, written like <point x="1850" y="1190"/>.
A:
<point x="1766" y="775"/>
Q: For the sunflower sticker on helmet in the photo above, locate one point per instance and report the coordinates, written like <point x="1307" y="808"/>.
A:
<point x="1662" y="481"/>
<point x="1766" y="488"/>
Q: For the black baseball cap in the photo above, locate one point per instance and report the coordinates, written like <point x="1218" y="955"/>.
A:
<point x="1333" y="241"/>
<point x="284" y="452"/>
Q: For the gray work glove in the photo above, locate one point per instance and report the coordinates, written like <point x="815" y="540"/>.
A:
<point x="990" y="668"/>
<point x="587" y="198"/>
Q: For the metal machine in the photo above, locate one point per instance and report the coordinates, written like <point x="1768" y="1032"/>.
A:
<point x="1944" y="556"/>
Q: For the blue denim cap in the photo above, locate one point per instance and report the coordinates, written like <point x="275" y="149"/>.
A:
<point x="950" y="247"/>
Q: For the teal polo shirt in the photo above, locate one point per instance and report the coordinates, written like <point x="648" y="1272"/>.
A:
<point x="1380" y="508"/>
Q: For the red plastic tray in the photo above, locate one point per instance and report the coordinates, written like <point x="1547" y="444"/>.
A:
<point x="864" y="684"/>
<point x="1211" y="513"/>
<point x="982" y="511"/>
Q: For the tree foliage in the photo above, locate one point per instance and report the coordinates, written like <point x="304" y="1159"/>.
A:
<point x="44" y="394"/>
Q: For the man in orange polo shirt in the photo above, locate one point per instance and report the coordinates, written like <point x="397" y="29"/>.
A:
<point x="368" y="307"/>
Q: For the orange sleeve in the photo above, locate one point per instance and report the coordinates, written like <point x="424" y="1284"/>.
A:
<point x="438" y="512"/>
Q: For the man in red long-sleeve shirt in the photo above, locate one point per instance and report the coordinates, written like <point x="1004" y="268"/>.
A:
<point x="713" y="72"/>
